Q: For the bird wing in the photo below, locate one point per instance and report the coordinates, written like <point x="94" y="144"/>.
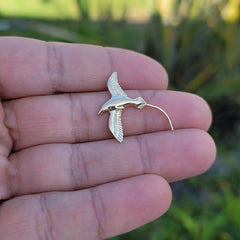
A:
<point x="115" y="124"/>
<point x="114" y="87"/>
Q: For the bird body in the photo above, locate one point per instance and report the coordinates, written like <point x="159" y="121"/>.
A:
<point x="119" y="102"/>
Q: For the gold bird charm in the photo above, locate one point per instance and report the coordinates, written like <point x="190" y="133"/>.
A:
<point x="117" y="103"/>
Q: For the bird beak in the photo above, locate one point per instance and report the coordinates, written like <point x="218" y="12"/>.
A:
<point x="100" y="112"/>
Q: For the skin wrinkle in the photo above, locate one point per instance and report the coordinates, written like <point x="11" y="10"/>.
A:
<point x="14" y="130"/>
<point x="4" y="156"/>
<point x="145" y="117"/>
<point x="55" y="67"/>
<point x="74" y="121"/>
<point x="2" y="89"/>
<point x="76" y="107"/>
<point x="86" y="120"/>
<point x="37" y="227"/>
<point x="148" y="159"/>
<point x="110" y="59"/>
<point x="81" y="156"/>
<point x="78" y="167"/>
<point x="9" y="139"/>
<point x="99" y="212"/>
<point x="4" y="179"/>
<point x="144" y="155"/>
<point x="152" y="96"/>
<point x="46" y="222"/>
<point x="14" y="175"/>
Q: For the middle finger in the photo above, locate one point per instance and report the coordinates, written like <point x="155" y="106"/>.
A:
<point x="72" y="118"/>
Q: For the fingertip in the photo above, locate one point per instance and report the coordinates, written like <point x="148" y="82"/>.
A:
<point x="4" y="181"/>
<point x="186" y="153"/>
<point x="191" y="110"/>
<point x="201" y="114"/>
<point x="201" y="153"/>
<point x="206" y="113"/>
<point x="162" y="190"/>
<point x="157" y="193"/>
<point x="136" y="201"/>
<point x="207" y="153"/>
<point x="141" y="69"/>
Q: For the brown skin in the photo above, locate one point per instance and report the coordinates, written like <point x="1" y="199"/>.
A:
<point x="56" y="180"/>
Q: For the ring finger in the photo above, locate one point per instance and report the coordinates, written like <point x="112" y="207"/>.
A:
<point x="59" y="167"/>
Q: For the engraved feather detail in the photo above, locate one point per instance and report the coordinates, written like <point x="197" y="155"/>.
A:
<point x="114" y="87"/>
<point x="115" y="124"/>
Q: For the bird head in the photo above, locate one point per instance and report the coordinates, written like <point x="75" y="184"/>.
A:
<point x="103" y="109"/>
<point x="141" y="102"/>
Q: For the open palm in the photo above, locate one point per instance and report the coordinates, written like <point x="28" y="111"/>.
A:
<point x="62" y="175"/>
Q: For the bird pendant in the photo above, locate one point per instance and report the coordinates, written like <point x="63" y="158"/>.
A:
<point x="117" y="103"/>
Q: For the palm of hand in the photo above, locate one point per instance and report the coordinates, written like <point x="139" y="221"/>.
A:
<point x="64" y="176"/>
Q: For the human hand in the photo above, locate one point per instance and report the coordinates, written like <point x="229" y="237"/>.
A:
<point x="62" y="175"/>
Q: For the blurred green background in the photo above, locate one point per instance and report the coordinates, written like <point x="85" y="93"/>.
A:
<point x="198" y="42"/>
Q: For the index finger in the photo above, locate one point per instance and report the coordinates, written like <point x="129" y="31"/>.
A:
<point x="32" y="67"/>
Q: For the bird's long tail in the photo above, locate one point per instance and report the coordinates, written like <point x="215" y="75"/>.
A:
<point x="166" y="115"/>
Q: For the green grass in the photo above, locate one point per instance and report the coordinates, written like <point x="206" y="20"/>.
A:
<point x="41" y="8"/>
<point x="198" y="43"/>
<point x="72" y="9"/>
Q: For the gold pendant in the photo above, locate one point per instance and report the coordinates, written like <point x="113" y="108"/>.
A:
<point x="118" y="102"/>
